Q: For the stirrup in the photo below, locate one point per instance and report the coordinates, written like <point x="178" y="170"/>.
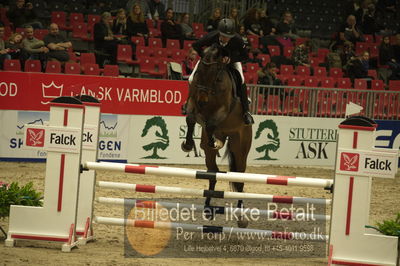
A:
<point x="248" y="118"/>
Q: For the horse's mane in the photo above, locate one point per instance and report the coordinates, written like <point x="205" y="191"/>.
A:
<point x="211" y="54"/>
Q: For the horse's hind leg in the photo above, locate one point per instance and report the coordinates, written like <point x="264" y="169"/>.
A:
<point x="188" y="144"/>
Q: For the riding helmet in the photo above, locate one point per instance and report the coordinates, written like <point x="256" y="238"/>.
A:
<point x="226" y="27"/>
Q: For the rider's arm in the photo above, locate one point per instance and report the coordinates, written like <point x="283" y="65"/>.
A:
<point x="206" y="41"/>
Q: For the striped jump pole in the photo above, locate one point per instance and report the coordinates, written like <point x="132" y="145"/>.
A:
<point x="211" y="193"/>
<point x="210" y="229"/>
<point x="270" y="214"/>
<point x="198" y="174"/>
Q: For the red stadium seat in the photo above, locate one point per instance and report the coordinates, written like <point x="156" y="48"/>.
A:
<point x="286" y="70"/>
<point x="319" y="71"/>
<point x="288" y="51"/>
<point x="124" y="53"/>
<point x="75" y="18"/>
<point x="138" y="40"/>
<point x="343" y="83"/>
<point x="394" y="85"/>
<point x="12" y="65"/>
<point x="53" y="67"/>
<point x="303" y="70"/>
<point x="72" y="68"/>
<point x="187" y="44"/>
<point x="111" y="71"/>
<point x="155" y="43"/>
<point x="274" y="50"/>
<point x="198" y="27"/>
<point x="173" y="44"/>
<point x="33" y="66"/>
<point x="377" y="84"/>
<point x="91" y="69"/>
<point x="92" y="19"/>
<point x="265" y="58"/>
<point x="87" y="58"/>
<point x="335" y="72"/>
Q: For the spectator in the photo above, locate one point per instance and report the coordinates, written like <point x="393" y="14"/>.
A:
<point x="57" y="44"/>
<point x="14" y="44"/>
<point x="34" y="48"/>
<point x="144" y="6"/>
<point x="157" y="10"/>
<point x="267" y="26"/>
<point x="4" y="52"/>
<point x="387" y="57"/>
<point x="170" y="29"/>
<point x="347" y="54"/>
<point x="368" y="22"/>
<point x="300" y="54"/>
<point x="186" y="29"/>
<point x="104" y="39"/>
<point x="234" y="15"/>
<point x="190" y="61"/>
<point x="287" y="26"/>
<point x="242" y="33"/>
<point x="136" y="23"/>
<point x="23" y="14"/>
<point x="267" y="75"/>
<point x="212" y="23"/>
<point x="251" y="22"/>
<point x="349" y="31"/>
<point x="119" y="26"/>
<point x="358" y="67"/>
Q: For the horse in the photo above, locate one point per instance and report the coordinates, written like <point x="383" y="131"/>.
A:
<point x="213" y="104"/>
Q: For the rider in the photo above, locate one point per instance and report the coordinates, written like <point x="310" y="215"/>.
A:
<point x="233" y="51"/>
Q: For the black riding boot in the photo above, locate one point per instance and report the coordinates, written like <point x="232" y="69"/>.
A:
<point x="248" y="119"/>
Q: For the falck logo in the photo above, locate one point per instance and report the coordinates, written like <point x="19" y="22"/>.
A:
<point x="51" y="91"/>
<point x="349" y="161"/>
<point x="35" y="137"/>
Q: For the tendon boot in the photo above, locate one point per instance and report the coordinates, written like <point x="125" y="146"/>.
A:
<point x="247" y="117"/>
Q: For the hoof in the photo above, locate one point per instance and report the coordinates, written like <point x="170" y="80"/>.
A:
<point x="216" y="145"/>
<point x="187" y="147"/>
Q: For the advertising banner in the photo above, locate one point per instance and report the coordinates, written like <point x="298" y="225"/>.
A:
<point x="113" y="142"/>
<point x="33" y="91"/>
<point x="276" y="140"/>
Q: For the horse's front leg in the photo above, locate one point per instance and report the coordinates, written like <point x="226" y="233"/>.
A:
<point x="211" y="155"/>
<point x="188" y="144"/>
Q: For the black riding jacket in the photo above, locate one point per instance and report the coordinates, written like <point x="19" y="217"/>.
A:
<point x="235" y="49"/>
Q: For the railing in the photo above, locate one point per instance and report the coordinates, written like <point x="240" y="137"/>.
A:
<point x="322" y="102"/>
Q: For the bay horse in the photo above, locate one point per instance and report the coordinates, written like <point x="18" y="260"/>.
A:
<point x="213" y="104"/>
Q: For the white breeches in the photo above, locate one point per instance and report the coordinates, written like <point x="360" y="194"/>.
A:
<point x="236" y="65"/>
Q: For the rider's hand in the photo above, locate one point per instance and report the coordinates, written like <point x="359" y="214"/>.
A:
<point x="226" y="60"/>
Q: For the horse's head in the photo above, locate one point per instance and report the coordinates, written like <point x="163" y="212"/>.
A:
<point x="212" y="84"/>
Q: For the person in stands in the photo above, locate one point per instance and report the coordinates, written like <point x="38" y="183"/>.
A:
<point x="57" y="44"/>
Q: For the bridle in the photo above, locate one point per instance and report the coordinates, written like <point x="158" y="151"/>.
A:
<point x="207" y="89"/>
